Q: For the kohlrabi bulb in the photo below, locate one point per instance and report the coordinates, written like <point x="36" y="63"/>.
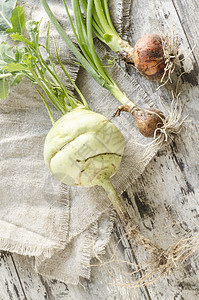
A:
<point x="83" y="148"/>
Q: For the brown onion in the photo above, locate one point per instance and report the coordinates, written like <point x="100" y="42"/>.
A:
<point x="146" y="120"/>
<point x="147" y="56"/>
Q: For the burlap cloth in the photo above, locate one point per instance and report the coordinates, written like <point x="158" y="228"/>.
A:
<point x="58" y="225"/>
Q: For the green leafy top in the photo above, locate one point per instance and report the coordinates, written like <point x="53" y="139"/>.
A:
<point x="18" y="20"/>
<point x="6" y="7"/>
<point x="27" y="61"/>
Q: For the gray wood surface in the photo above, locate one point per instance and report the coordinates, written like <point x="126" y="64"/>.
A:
<point x="163" y="201"/>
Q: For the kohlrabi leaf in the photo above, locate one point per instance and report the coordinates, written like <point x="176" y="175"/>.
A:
<point x="19" y="53"/>
<point x="6" y="7"/>
<point x="17" y="20"/>
<point x="14" y="67"/>
<point x="3" y="88"/>
<point x="33" y="29"/>
<point x="6" y="54"/>
<point x="27" y="60"/>
<point x="20" y="38"/>
<point x="16" y="79"/>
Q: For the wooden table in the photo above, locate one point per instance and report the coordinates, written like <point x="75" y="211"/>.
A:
<point x="163" y="200"/>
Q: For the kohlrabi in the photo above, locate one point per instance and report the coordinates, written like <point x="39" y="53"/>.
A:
<point x="83" y="148"/>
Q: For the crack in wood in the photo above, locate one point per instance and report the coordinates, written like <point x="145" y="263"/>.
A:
<point x="120" y="234"/>
<point x="183" y="28"/>
<point x="48" y="294"/>
<point x="17" y="273"/>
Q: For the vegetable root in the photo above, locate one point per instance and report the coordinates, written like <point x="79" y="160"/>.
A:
<point x="147" y="120"/>
<point x="147" y="56"/>
<point x="66" y="158"/>
<point x="131" y="230"/>
<point x="164" y="263"/>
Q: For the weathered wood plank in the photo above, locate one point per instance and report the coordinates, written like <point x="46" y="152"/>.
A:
<point x="35" y="286"/>
<point x="10" y="285"/>
<point x="165" y="213"/>
<point x="167" y="191"/>
<point x="144" y="21"/>
<point x="188" y="12"/>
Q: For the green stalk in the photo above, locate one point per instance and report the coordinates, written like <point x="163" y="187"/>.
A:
<point x="96" y="59"/>
<point x="99" y="31"/>
<point x="118" y="94"/>
<point x="66" y="73"/>
<point x="43" y="83"/>
<point x="106" y="11"/>
<point x="80" y="24"/>
<point x="47" y="106"/>
<point x="110" y="35"/>
<point x="115" y="200"/>
<point x="131" y="230"/>
<point x="70" y="44"/>
<point x="95" y="67"/>
<point x="102" y="17"/>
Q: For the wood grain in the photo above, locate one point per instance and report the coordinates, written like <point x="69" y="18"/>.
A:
<point x="163" y="201"/>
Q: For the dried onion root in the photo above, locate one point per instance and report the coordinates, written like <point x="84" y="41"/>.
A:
<point x="161" y="263"/>
<point x="172" y="54"/>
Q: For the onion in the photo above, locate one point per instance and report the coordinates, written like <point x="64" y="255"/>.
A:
<point x="147" y="56"/>
<point x="147" y="120"/>
<point x="154" y="56"/>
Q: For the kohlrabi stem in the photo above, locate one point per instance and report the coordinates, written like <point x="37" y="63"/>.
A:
<point x="117" y="203"/>
<point x="68" y="76"/>
<point x="128" y="225"/>
<point x="47" y="107"/>
<point x="34" y="67"/>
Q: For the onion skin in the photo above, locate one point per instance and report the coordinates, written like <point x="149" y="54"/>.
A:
<point x="146" y="120"/>
<point x="83" y="148"/>
<point x="147" y="56"/>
